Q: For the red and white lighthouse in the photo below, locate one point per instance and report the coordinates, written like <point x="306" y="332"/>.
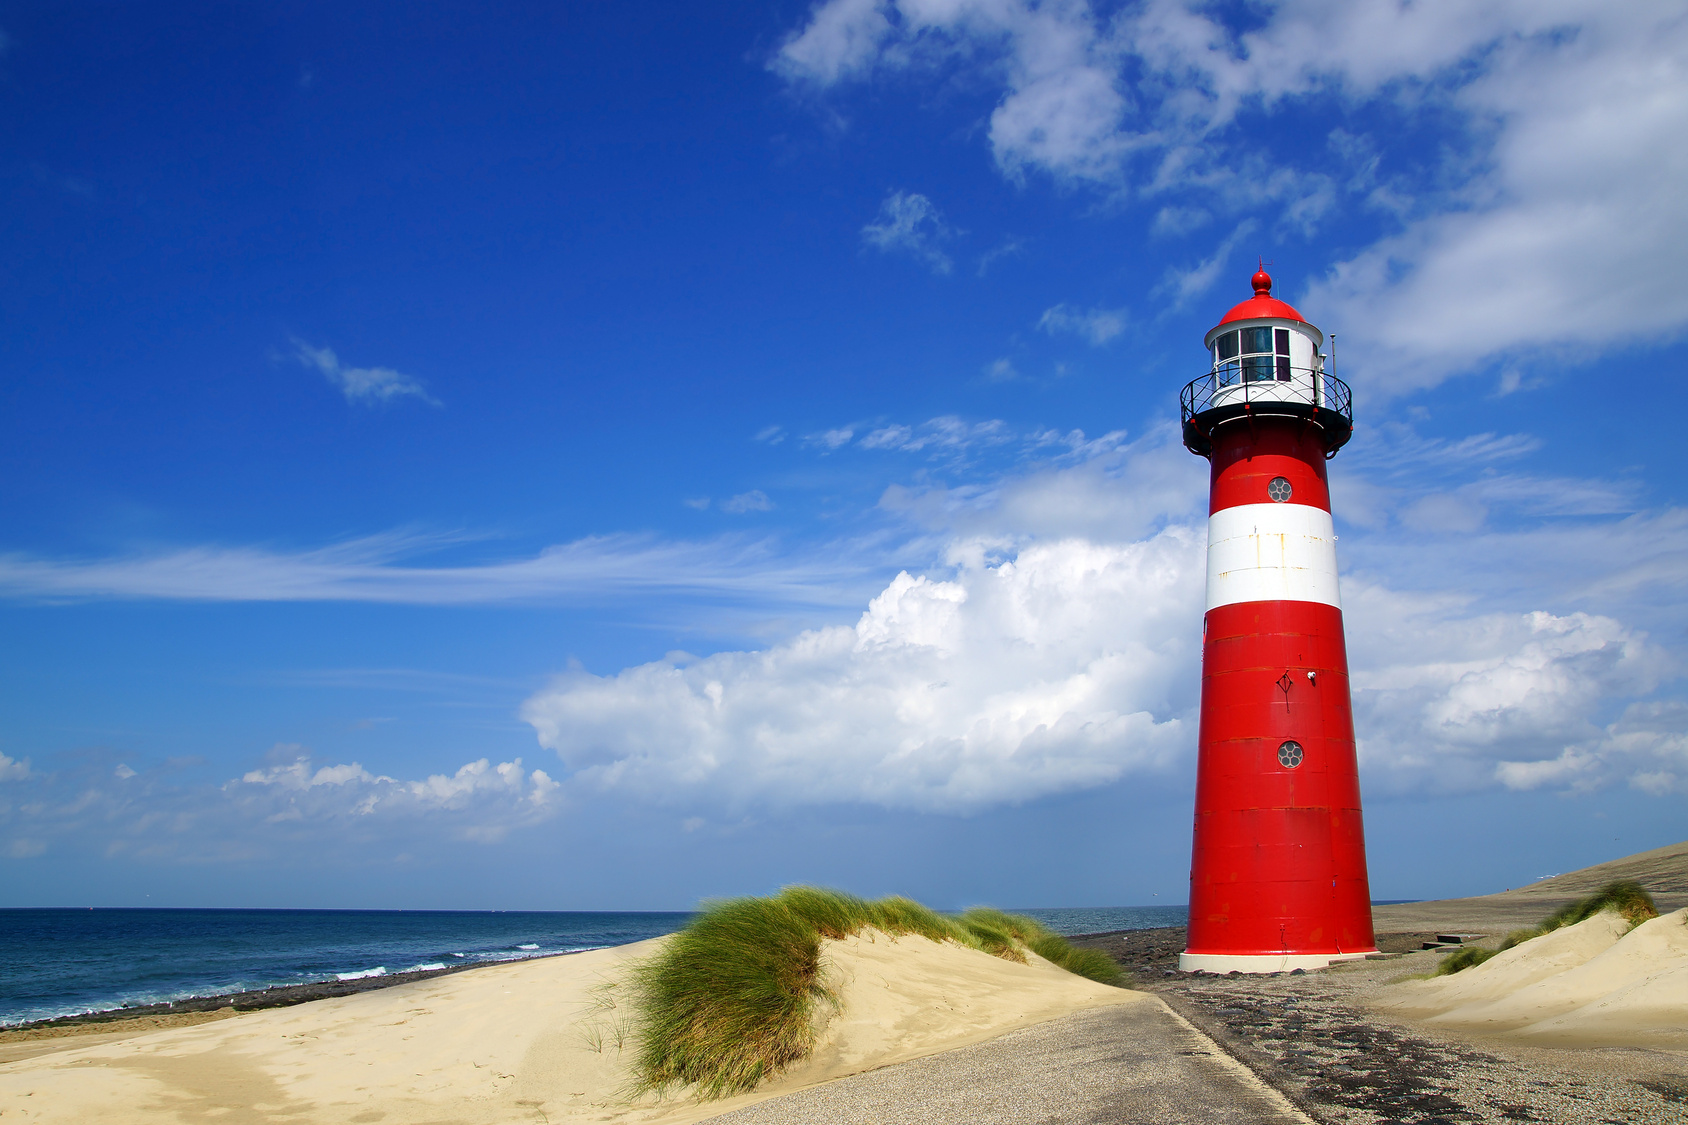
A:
<point x="1278" y="866"/>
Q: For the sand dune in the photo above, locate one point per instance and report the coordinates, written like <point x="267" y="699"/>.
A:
<point x="1653" y="947"/>
<point x="1506" y="973"/>
<point x="1649" y="1012"/>
<point x="1596" y="983"/>
<point x="525" y="1042"/>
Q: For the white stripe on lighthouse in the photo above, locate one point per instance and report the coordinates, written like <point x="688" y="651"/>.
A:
<point x="1271" y="553"/>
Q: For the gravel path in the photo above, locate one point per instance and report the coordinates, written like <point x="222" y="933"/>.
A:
<point x="1312" y="1037"/>
<point x="1348" y="1067"/>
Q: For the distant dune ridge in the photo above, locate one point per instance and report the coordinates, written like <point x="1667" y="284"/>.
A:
<point x="1663" y="871"/>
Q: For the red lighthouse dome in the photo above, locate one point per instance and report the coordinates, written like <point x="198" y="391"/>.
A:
<point x="1262" y="306"/>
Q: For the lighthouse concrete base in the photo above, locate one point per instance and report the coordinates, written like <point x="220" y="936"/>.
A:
<point x="1261" y="962"/>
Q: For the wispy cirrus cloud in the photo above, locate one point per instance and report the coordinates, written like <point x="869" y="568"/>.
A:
<point x="946" y="434"/>
<point x="828" y="440"/>
<point x="967" y="447"/>
<point x="1096" y="325"/>
<point x="908" y="223"/>
<point x="1007" y="248"/>
<point x="1182" y="285"/>
<point x="753" y="501"/>
<point x="382" y="568"/>
<point x="363" y="385"/>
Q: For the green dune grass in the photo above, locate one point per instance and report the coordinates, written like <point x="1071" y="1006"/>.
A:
<point x="1625" y="897"/>
<point x="738" y="995"/>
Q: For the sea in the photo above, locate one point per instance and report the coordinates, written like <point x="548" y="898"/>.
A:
<point x="61" y="962"/>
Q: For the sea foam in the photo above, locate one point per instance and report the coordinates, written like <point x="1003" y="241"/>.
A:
<point x="379" y="971"/>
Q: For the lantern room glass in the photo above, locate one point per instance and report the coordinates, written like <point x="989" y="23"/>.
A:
<point x="1253" y="355"/>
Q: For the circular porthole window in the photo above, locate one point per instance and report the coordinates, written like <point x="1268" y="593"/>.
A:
<point x="1279" y="489"/>
<point x="1290" y="754"/>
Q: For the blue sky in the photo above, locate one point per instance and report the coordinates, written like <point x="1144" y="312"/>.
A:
<point x="588" y="457"/>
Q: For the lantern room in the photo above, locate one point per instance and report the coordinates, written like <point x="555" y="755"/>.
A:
<point x="1264" y="359"/>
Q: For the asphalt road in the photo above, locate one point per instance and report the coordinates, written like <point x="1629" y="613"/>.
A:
<point x="1139" y="1064"/>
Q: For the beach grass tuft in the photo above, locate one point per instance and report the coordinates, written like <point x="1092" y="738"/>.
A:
<point x="1463" y="959"/>
<point x="994" y="932"/>
<point x="1627" y="897"/>
<point x="740" y="993"/>
<point x="732" y="999"/>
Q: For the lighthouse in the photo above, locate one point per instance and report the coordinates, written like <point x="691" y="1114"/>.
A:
<point x="1278" y="861"/>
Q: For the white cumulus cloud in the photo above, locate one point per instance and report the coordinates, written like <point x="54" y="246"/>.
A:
<point x="481" y="801"/>
<point x="1057" y="669"/>
<point x="293" y="802"/>
<point x="1447" y="700"/>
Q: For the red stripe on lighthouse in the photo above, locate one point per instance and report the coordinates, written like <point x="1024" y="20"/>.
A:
<point x="1279" y="859"/>
<point x="1245" y="465"/>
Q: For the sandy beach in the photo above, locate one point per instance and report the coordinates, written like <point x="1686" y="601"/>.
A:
<point x="1583" y="1023"/>
<point x="927" y="1032"/>
<point x="537" y="1040"/>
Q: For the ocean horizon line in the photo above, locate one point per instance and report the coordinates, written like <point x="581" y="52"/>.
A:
<point x="58" y="962"/>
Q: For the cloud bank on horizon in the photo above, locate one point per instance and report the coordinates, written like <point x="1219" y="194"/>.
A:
<point x="290" y="805"/>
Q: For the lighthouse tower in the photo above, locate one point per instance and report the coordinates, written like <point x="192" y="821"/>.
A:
<point x="1278" y="870"/>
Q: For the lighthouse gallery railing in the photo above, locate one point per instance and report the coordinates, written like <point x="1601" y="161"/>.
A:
<point x="1223" y="394"/>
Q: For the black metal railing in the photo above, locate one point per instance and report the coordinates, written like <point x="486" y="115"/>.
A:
<point x="1225" y="394"/>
